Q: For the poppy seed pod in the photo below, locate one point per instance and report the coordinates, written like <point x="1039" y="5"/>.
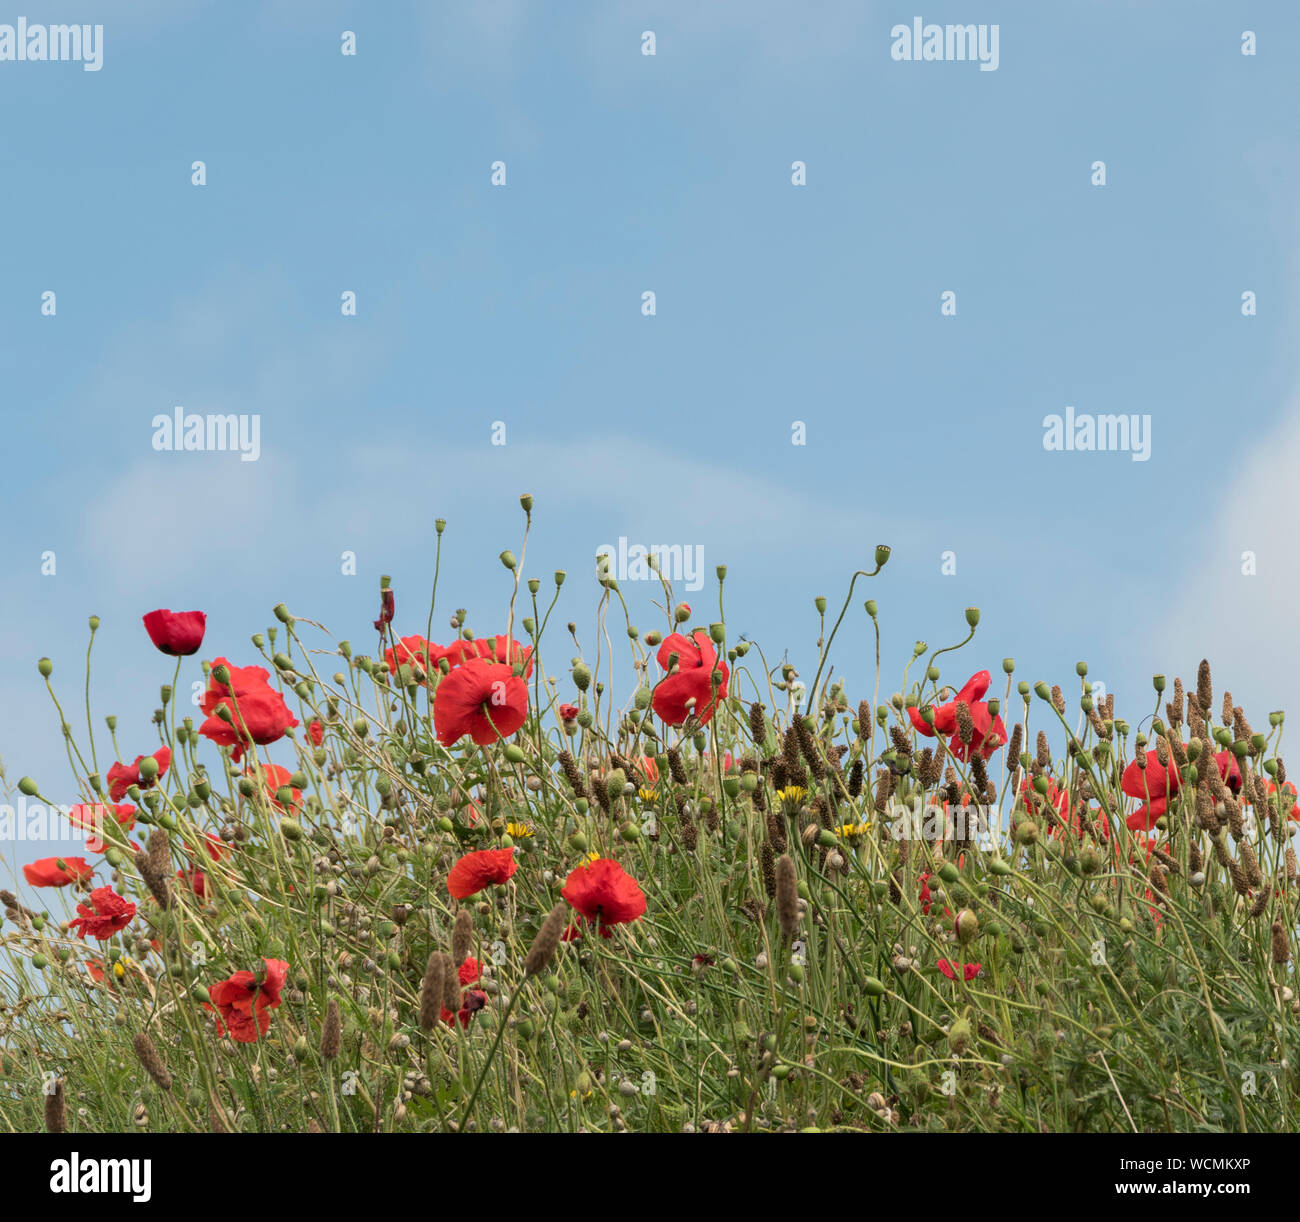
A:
<point x="882" y="555"/>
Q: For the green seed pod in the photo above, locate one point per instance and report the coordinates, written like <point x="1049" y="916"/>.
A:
<point x="873" y="987"/>
<point x="514" y="753"/>
<point x="46" y="667"/>
<point x="290" y="829"/>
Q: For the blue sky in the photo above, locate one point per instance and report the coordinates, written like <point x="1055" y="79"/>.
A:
<point x="775" y="304"/>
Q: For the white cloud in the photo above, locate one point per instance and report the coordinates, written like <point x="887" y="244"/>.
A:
<point x="1244" y="625"/>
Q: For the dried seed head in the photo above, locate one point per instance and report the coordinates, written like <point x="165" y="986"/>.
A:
<point x="965" y="723"/>
<point x="331" y="1035"/>
<point x="864" y="719"/>
<point x="930" y="768"/>
<point x="787" y="897"/>
<point x="855" y="778"/>
<point x="1044" y="755"/>
<point x="1240" y="884"/>
<point x="56" y="1110"/>
<point x="757" y="724"/>
<point x="159" y="849"/>
<point x="1058" y="698"/>
<point x="462" y="936"/>
<point x="1281" y="945"/>
<point x="1226" y="713"/>
<point x="544" y="946"/>
<point x="1261" y="902"/>
<point x="450" y="983"/>
<point x="1250" y="863"/>
<point x="1175" y="708"/>
<point x="767" y="863"/>
<point x="808" y="746"/>
<point x="158" y="881"/>
<point x="153" y="1064"/>
<point x="1292" y="873"/>
<point x="573" y="773"/>
<point x="1204" y="689"/>
<point x="431" y="992"/>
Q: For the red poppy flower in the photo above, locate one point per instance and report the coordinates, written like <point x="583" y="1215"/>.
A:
<point x="649" y="769"/>
<point x="413" y="651"/>
<point x="1144" y="818"/>
<point x="1153" y="781"/>
<point x="485" y="700"/>
<point x="258" y="712"/>
<point x="968" y="970"/>
<point x="177" y="633"/>
<point x="573" y="933"/>
<point x="568" y="712"/>
<point x="692" y="680"/>
<point x="989" y="731"/>
<point x="471" y="1002"/>
<point x="196" y="880"/>
<point x="469" y="970"/>
<point x="122" y="776"/>
<point x="57" y="871"/>
<point x="103" y="914"/>
<point x="91" y="817"/>
<point x="275" y="778"/>
<point x="242" y="1003"/>
<point x="1289" y="790"/>
<point x="479" y="870"/>
<point x="602" y="891"/>
<point x="492" y="649"/>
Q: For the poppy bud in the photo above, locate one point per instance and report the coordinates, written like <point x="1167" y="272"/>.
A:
<point x="29" y="787"/>
<point x="46" y="667"/>
<point x="508" y="559"/>
<point x="290" y="829"/>
<point x="870" y="607"/>
<point x="967" y="925"/>
<point x="1042" y="691"/>
<point x="581" y="676"/>
<point x="282" y="614"/>
<point x="94" y="623"/>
